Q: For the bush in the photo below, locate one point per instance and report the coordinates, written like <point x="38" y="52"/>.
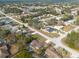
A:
<point x="4" y="33"/>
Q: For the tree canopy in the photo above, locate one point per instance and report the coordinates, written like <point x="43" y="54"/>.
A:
<point x="4" y="32"/>
<point x="25" y="38"/>
<point x="67" y="17"/>
<point x="72" y="40"/>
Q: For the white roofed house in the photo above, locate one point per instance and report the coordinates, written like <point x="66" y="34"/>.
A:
<point x="58" y="10"/>
<point x="14" y="29"/>
<point x="74" y="11"/>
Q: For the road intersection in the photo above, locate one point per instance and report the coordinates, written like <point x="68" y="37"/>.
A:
<point x="57" y="40"/>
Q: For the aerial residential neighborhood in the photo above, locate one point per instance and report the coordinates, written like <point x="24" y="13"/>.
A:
<point x="39" y="30"/>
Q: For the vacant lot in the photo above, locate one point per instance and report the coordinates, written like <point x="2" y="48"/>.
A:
<point x="67" y="28"/>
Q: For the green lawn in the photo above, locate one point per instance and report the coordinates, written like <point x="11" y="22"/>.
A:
<point x="40" y="38"/>
<point x="50" y="34"/>
<point x="23" y="54"/>
<point x="72" y="40"/>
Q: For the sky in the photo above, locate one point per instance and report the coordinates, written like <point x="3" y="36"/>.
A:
<point x="44" y="0"/>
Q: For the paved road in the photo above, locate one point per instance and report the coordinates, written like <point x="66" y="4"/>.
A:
<point x="57" y="41"/>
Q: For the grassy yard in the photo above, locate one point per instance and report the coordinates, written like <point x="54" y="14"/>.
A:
<point x="67" y="28"/>
<point x="23" y="54"/>
<point x="71" y="46"/>
<point x="50" y="34"/>
<point x="40" y="38"/>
